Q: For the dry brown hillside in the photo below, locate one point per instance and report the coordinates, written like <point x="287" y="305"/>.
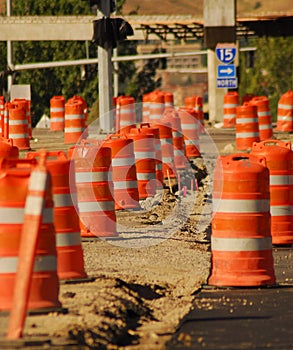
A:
<point x="184" y="7"/>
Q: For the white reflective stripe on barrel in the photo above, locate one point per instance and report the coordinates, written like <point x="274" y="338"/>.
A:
<point x="166" y="141"/>
<point x="74" y="116"/>
<point x="37" y="179"/>
<point x="247" y="134"/>
<point x="42" y="263"/>
<point x="241" y="205"/>
<point x="55" y="120"/>
<point x="73" y="129"/>
<point x="57" y="109"/>
<point x="167" y="159"/>
<point x="123" y="185"/>
<point x="144" y="155"/>
<point x="88" y="176"/>
<point x="241" y="244"/>
<point x="265" y="126"/>
<point x="68" y="239"/>
<point x="177" y="153"/>
<point x="189" y="126"/>
<point x="246" y="120"/>
<point x="126" y="110"/>
<point x="281" y="210"/>
<point x="63" y="200"/>
<point x="228" y="116"/>
<point x="146" y="176"/>
<point x="18" y="136"/>
<point x="230" y="105"/>
<point x="17" y="122"/>
<point x="16" y="215"/>
<point x="264" y="114"/>
<point x="287" y="106"/>
<point x="191" y="142"/>
<point x="88" y="207"/>
<point x="123" y="161"/>
<point x="155" y="116"/>
<point x="126" y="122"/>
<point x="281" y="180"/>
<point x="285" y="118"/>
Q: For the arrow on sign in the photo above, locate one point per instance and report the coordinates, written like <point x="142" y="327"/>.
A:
<point x="226" y="70"/>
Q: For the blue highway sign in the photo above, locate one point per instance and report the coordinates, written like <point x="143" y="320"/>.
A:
<point x="226" y="54"/>
<point x="226" y="71"/>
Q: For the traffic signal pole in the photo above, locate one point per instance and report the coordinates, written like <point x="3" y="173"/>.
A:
<point x="105" y="76"/>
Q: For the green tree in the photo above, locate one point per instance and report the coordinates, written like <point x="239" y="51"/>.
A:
<point x="272" y="72"/>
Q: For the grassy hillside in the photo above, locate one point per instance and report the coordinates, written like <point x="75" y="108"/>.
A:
<point x="183" y="7"/>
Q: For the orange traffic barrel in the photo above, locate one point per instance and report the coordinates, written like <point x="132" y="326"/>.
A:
<point x="18" y="126"/>
<point x="171" y="116"/>
<point x="74" y="122"/>
<point x="166" y="137"/>
<point x="156" y="105"/>
<point x="7" y="106"/>
<point x="2" y="107"/>
<point x="285" y="112"/>
<point x="66" y="219"/>
<point x="145" y="108"/>
<point x="247" y="130"/>
<point x="44" y="291"/>
<point x="85" y="112"/>
<point x="93" y="175"/>
<point x="26" y="104"/>
<point x="190" y="129"/>
<point x="7" y="150"/>
<point x="241" y="241"/>
<point x="264" y="116"/>
<point x="146" y="128"/>
<point x="279" y="158"/>
<point x="126" y="194"/>
<point x="145" y="162"/>
<point x="196" y="102"/>
<point x="231" y="101"/>
<point x="168" y="99"/>
<point x="125" y="114"/>
<point x="57" y="112"/>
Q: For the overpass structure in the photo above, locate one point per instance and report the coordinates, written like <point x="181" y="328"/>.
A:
<point x="187" y="27"/>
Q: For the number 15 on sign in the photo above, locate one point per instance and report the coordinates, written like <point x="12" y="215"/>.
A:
<point x="226" y="54"/>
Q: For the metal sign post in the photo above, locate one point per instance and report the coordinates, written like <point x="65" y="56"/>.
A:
<point x="105" y="77"/>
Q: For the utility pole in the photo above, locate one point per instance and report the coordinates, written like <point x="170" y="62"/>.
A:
<point x="105" y="76"/>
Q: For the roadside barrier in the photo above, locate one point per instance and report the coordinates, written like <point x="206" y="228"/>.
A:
<point x="125" y="114"/>
<point x="190" y="129"/>
<point x="145" y="162"/>
<point x="156" y="105"/>
<point x="171" y="116"/>
<point x="14" y="179"/>
<point x="247" y="130"/>
<point x="279" y="159"/>
<point x="231" y="101"/>
<point x="146" y="128"/>
<point x="66" y="220"/>
<point x="168" y="99"/>
<point x="285" y="112"/>
<point x="93" y="175"/>
<point x="74" y="123"/>
<point x="6" y="119"/>
<point x="241" y="241"/>
<point x="166" y="137"/>
<point x="145" y="108"/>
<point x="126" y="194"/>
<point x="7" y="150"/>
<point x="264" y="116"/>
<point x="84" y="110"/>
<point x="18" y="126"/>
<point x="57" y="113"/>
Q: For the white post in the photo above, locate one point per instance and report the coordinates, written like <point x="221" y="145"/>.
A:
<point x="105" y="77"/>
